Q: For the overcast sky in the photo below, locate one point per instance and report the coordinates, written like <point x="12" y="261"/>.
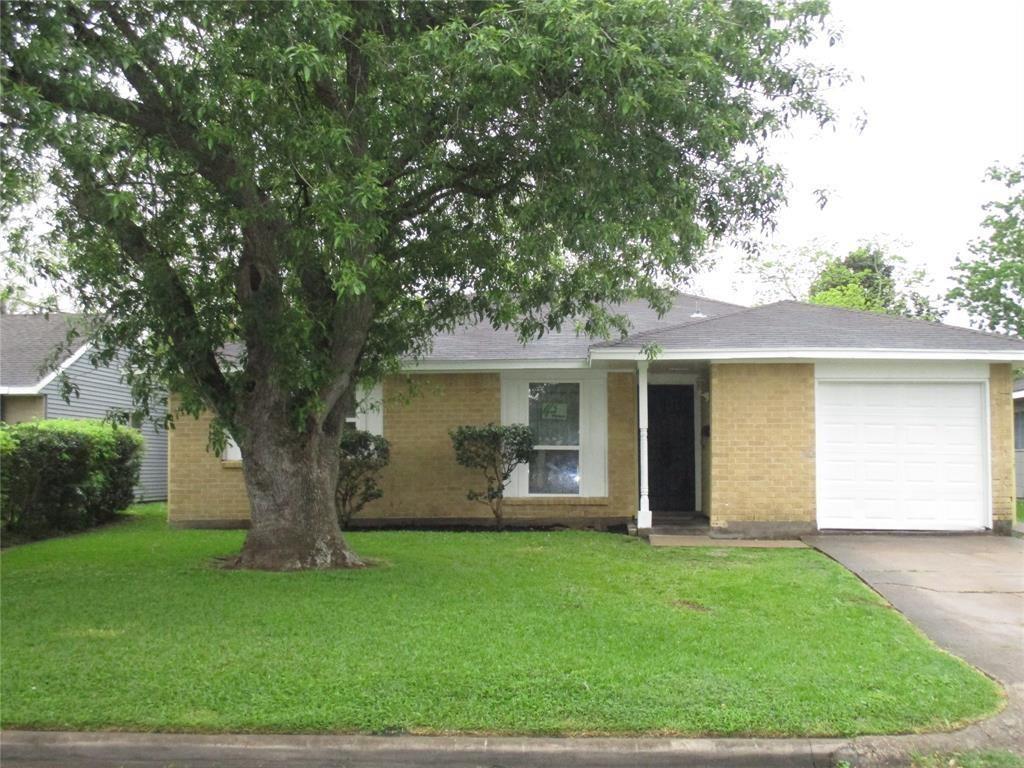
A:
<point x="941" y="85"/>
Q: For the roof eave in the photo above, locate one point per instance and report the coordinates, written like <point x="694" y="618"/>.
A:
<point x="811" y="353"/>
<point x="39" y="386"/>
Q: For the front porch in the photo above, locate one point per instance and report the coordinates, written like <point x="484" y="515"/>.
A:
<point x="674" y="447"/>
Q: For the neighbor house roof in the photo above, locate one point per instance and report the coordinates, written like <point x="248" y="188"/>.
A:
<point x="29" y="343"/>
<point x="792" y="326"/>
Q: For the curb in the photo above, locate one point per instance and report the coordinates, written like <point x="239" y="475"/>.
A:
<point x="228" y="750"/>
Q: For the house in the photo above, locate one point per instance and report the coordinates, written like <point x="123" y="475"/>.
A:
<point x="35" y="356"/>
<point x="767" y="421"/>
<point x="1018" y="433"/>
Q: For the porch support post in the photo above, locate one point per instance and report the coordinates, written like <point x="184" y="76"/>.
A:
<point x="643" y="516"/>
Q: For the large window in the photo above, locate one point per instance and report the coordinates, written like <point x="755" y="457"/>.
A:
<point x="567" y="411"/>
<point x="555" y="421"/>
<point x="1018" y="429"/>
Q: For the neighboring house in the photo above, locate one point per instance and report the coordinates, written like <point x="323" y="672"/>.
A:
<point x="1018" y="432"/>
<point x="34" y="358"/>
<point x="769" y="421"/>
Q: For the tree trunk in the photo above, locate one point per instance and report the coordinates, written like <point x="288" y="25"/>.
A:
<point x="291" y="482"/>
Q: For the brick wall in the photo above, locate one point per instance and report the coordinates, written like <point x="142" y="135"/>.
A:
<point x="423" y="481"/>
<point x="201" y="489"/>
<point x="1003" y="471"/>
<point x="762" y="448"/>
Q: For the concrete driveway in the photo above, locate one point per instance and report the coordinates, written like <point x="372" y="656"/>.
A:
<point x="965" y="592"/>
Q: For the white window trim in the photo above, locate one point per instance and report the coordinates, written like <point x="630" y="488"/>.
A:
<point x="593" y="445"/>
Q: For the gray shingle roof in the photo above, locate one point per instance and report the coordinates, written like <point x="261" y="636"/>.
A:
<point x="792" y="324"/>
<point x="27" y="345"/>
<point x="482" y="342"/>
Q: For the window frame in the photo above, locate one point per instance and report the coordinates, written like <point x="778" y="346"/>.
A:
<point x="593" y="438"/>
<point x="1018" y="429"/>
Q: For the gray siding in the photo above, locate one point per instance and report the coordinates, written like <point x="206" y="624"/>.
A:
<point x="101" y="390"/>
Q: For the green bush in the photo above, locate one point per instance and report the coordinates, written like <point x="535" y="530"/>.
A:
<point x="363" y="456"/>
<point x="65" y="475"/>
<point x="496" y="450"/>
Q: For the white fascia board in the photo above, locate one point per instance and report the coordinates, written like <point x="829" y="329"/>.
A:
<point x="38" y="387"/>
<point x="811" y="353"/>
<point x="457" y="366"/>
<point x="1018" y="395"/>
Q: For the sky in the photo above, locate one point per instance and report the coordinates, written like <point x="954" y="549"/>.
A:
<point x="941" y="88"/>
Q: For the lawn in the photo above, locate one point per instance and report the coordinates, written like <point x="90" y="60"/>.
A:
<point x="567" y="632"/>
<point x="1020" y="510"/>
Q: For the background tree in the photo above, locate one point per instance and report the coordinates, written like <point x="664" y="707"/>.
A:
<point x="868" y="278"/>
<point x="331" y="183"/>
<point x="496" y="450"/>
<point x="990" y="286"/>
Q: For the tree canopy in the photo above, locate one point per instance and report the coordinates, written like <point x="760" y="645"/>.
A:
<point x="990" y="286"/>
<point x="332" y="183"/>
<point x="870" y="278"/>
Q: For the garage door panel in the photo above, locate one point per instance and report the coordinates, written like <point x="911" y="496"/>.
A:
<point x="901" y="456"/>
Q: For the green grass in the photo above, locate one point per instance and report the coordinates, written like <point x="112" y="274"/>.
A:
<point x="1020" y="510"/>
<point x="999" y="759"/>
<point x="558" y="633"/>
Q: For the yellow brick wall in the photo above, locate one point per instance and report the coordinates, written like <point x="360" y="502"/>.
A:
<point x="200" y="487"/>
<point x="19" y="408"/>
<point x="1001" y="419"/>
<point x="423" y="480"/>
<point x="762" y="444"/>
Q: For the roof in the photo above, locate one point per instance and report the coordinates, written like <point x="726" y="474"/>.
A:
<point x="28" y="344"/>
<point x="483" y="342"/>
<point x="793" y="325"/>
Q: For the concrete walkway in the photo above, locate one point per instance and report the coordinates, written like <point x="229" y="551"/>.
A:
<point x="966" y="592"/>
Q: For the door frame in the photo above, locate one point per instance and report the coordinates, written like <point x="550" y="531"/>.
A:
<point x="692" y="380"/>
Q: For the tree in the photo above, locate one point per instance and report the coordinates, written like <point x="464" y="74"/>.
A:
<point x="363" y="456"/>
<point x="868" y="278"/>
<point x="330" y="184"/>
<point x="497" y="451"/>
<point x="991" y="285"/>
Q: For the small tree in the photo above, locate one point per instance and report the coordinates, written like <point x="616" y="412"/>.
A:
<point x="990" y="286"/>
<point x="497" y="450"/>
<point x="362" y="456"/>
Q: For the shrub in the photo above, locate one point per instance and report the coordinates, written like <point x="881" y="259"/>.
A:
<point x="65" y="475"/>
<point x="363" y="456"/>
<point x="497" y="450"/>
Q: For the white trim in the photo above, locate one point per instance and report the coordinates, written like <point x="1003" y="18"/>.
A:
<point x="986" y="437"/>
<point x="35" y="389"/>
<point x="901" y="370"/>
<point x="455" y="366"/>
<point x="370" y="409"/>
<point x="1019" y="394"/>
<point x="643" y="515"/>
<point x="811" y="353"/>
<point x="593" y="426"/>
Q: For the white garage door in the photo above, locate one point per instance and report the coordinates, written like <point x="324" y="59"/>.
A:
<point x="899" y="456"/>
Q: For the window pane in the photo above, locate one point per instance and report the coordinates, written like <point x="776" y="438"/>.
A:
<point x="555" y="414"/>
<point x="1018" y="430"/>
<point x="555" y="472"/>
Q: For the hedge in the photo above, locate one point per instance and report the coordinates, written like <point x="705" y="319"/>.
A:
<point x="65" y="475"/>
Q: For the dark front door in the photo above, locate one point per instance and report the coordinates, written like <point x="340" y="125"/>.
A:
<point x="670" y="448"/>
